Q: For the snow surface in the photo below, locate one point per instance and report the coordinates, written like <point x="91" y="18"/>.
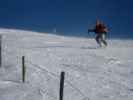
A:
<point x="92" y="73"/>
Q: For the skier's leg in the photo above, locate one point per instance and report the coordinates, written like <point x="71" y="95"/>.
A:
<point x="98" y="40"/>
<point x="104" y="42"/>
<point x="104" y="39"/>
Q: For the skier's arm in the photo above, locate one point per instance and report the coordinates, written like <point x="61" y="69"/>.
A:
<point x="106" y="30"/>
<point x="90" y="30"/>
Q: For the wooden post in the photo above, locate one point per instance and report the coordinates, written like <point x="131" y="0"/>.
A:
<point x="23" y="69"/>
<point x="62" y="77"/>
<point x="0" y="50"/>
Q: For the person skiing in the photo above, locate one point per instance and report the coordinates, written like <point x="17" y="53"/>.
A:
<point x="101" y="32"/>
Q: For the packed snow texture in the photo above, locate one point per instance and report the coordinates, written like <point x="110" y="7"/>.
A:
<point x="91" y="73"/>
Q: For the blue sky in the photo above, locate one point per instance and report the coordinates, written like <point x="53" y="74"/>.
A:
<point x="70" y="17"/>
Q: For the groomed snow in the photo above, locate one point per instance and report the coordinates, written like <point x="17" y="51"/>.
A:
<point x="92" y="73"/>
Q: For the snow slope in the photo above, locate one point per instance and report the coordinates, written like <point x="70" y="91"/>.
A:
<point x="92" y="73"/>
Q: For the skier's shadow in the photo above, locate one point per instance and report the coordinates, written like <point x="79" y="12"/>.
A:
<point x="90" y="47"/>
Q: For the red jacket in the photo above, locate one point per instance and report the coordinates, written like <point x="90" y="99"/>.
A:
<point x="100" y="28"/>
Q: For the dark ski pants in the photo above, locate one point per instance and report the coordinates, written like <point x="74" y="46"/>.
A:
<point x="101" y="39"/>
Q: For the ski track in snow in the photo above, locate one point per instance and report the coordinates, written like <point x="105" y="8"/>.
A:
<point x="92" y="73"/>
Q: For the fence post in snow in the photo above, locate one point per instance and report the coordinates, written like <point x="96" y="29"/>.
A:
<point x="23" y="69"/>
<point x="0" y="50"/>
<point x="62" y="77"/>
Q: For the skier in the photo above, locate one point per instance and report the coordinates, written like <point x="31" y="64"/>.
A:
<point x="101" y="32"/>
